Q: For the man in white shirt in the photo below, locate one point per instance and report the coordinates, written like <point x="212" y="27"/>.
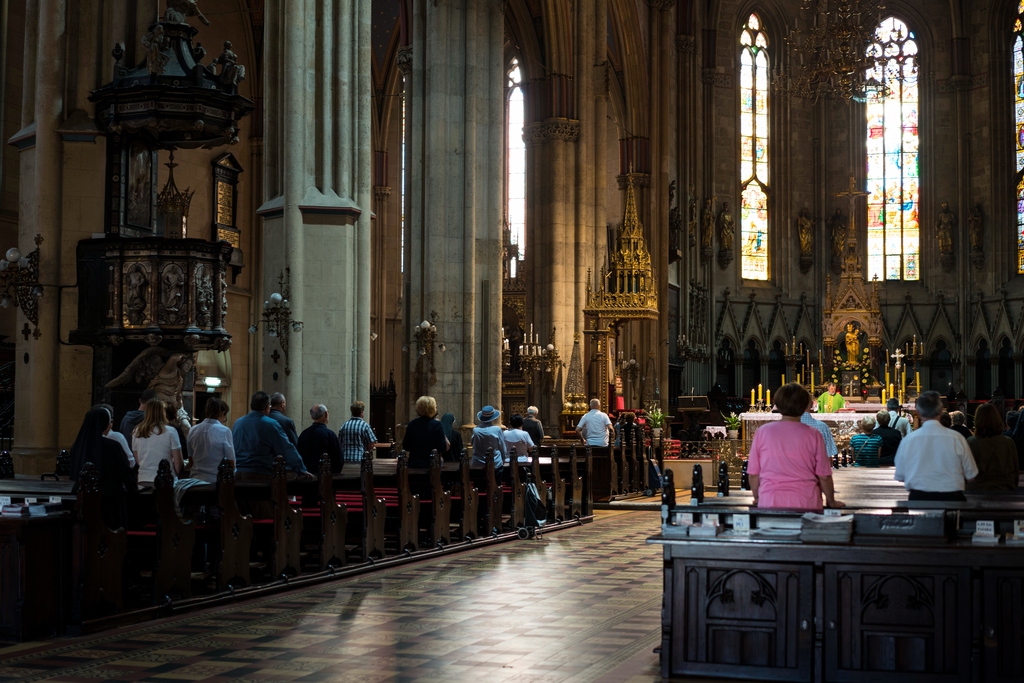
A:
<point x="898" y="421"/>
<point x="934" y="463"/>
<point x="210" y="441"/>
<point x="595" y="427"/>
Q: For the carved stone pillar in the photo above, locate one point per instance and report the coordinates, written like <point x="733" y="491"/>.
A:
<point x="378" y="311"/>
<point x="455" y="119"/>
<point x="318" y="194"/>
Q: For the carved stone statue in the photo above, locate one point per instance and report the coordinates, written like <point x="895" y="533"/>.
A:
<point x="675" y="226"/>
<point x="852" y="341"/>
<point x="136" y="295"/>
<point x="231" y="72"/>
<point x="726" y="235"/>
<point x="837" y="228"/>
<point x="944" y="234"/>
<point x="179" y="10"/>
<point x="805" y="233"/>
<point x="707" y="229"/>
<point x="172" y="289"/>
<point x="976" y="229"/>
<point x="160" y="370"/>
<point x="155" y="43"/>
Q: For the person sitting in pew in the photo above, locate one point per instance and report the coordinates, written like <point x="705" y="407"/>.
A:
<point x="424" y="434"/>
<point x="117" y="436"/>
<point x="891" y="438"/>
<point x="787" y="465"/>
<point x="453" y="436"/>
<point x="210" y="441"/>
<point x="533" y="426"/>
<point x="933" y="462"/>
<point x="994" y="453"/>
<point x="132" y="418"/>
<point x="519" y="443"/>
<point x="318" y="439"/>
<point x="154" y="440"/>
<point x="258" y="439"/>
<point x="1011" y="422"/>
<point x="118" y="479"/>
<point x="867" y="444"/>
<point x="488" y="435"/>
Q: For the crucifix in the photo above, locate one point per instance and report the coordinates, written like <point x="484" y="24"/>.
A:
<point x="898" y="355"/>
<point x="850" y="386"/>
<point x="26" y="332"/>
<point x="852" y="194"/>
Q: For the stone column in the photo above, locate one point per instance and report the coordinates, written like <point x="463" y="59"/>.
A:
<point x="379" y="300"/>
<point x="318" y="196"/>
<point x="38" y="355"/>
<point x="455" y="117"/>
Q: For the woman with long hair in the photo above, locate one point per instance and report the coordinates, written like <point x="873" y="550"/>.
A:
<point x="117" y="478"/>
<point x="154" y="440"/>
<point x="994" y="453"/>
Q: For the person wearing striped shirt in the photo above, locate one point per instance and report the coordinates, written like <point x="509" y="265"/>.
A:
<point x="356" y="435"/>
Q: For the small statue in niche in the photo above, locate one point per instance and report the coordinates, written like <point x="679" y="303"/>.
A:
<point x="136" y="289"/>
<point x="944" y="227"/>
<point x="975" y="230"/>
<point x="675" y="226"/>
<point x="726" y="235"/>
<point x="707" y="230"/>
<point x="692" y="222"/>
<point x="179" y="10"/>
<point x="173" y="289"/>
<point x="231" y="72"/>
<point x="155" y="43"/>
<point x="805" y="231"/>
<point x="837" y="227"/>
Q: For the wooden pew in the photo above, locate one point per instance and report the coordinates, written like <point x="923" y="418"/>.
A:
<point x="333" y="520"/>
<point x="470" y="497"/>
<point x="517" y="493"/>
<point x="235" y="531"/>
<point x="287" y="523"/>
<point x="175" y="541"/>
<point x="495" y="496"/>
<point x="373" y="510"/>
<point x="604" y="470"/>
<point x="538" y="479"/>
<point x="441" y="505"/>
<point x="408" y="508"/>
<point x="98" y="553"/>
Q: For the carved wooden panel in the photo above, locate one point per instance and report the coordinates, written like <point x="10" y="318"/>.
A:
<point x="1003" y="626"/>
<point x="741" y="619"/>
<point x="897" y="625"/>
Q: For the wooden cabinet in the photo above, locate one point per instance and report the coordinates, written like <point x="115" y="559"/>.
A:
<point x="1002" y="629"/>
<point x="898" y="624"/>
<point x="742" y="619"/>
<point x="34" y="576"/>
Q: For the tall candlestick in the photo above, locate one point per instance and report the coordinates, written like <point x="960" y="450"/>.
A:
<point x="768" y="400"/>
<point x="812" y="380"/>
<point x="783" y="380"/>
<point x="752" y="401"/>
<point x="917" y="381"/>
<point x="883" y="396"/>
<point x="760" y="393"/>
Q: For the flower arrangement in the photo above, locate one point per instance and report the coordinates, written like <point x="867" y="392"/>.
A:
<point x="732" y="421"/>
<point x="861" y="366"/>
<point x="656" y="418"/>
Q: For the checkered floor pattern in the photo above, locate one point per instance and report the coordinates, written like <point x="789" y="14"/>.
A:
<point x="572" y="606"/>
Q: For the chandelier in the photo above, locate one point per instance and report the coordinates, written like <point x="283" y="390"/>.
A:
<point x="835" y="52"/>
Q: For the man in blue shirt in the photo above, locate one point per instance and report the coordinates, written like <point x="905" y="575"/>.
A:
<point x="258" y="439"/>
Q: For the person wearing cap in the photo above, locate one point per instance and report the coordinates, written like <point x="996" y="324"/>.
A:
<point x="532" y="425"/>
<point x="488" y="435"/>
<point x="595" y="427"/>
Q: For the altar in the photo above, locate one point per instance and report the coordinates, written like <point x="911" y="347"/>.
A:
<point x="843" y="424"/>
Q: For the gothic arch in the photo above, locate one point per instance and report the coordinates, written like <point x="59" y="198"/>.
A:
<point x="636" y="96"/>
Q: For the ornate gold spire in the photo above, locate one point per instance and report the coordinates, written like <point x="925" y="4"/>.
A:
<point x="629" y="289"/>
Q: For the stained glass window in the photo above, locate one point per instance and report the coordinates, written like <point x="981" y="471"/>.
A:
<point x="892" y="146"/>
<point x="516" y="163"/>
<point x="754" y="150"/>
<point x="1018" y="97"/>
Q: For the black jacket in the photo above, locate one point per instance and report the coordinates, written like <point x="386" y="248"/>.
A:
<point x="535" y="428"/>
<point x="129" y="422"/>
<point x="423" y="435"/>
<point x="890" y="442"/>
<point x="288" y="425"/>
<point x="316" y="440"/>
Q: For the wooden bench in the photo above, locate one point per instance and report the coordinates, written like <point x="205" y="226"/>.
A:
<point x="98" y="554"/>
<point x="235" y="531"/>
<point x="175" y="541"/>
<point x="367" y="507"/>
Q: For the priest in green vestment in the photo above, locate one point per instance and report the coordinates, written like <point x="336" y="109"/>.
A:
<point x="831" y="401"/>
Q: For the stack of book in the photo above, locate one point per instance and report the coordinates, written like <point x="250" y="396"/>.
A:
<point x="15" y="510"/>
<point x="815" y="528"/>
<point x="43" y="509"/>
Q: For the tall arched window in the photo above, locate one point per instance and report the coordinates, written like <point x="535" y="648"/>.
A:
<point x="754" y="151"/>
<point x="892" y="147"/>
<point x="1018" y="102"/>
<point x="516" y="210"/>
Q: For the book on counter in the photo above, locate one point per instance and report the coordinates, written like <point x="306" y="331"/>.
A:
<point x="43" y="509"/>
<point x="14" y="510"/>
<point x="826" y="528"/>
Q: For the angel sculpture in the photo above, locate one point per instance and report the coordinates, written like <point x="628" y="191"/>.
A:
<point x="179" y="10"/>
<point x="155" y="42"/>
<point x="160" y="370"/>
<point x="230" y="70"/>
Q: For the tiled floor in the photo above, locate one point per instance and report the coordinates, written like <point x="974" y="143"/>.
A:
<point x="578" y="605"/>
